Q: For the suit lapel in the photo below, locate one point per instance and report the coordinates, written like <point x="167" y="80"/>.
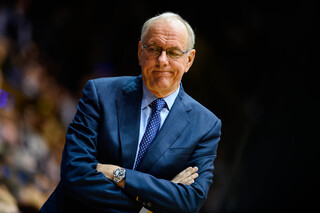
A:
<point x="128" y="112"/>
<point x="171" y="130"/>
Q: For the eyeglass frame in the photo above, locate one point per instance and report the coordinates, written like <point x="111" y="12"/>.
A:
<point x="145" y="46"/>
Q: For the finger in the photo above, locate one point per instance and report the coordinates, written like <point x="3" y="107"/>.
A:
<point x="189" y="171"/>
<point x="182" y="175"/>
<point x="190" y="180"/>
<point x="195" y="169"/>
<point x="187" y="181"/>
<point x="194" y="176"/>
<point x="186" y="175"/>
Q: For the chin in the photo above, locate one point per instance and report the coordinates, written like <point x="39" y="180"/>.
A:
<point x="162" y="85"/>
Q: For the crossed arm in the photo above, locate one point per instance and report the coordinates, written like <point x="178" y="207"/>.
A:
<point x="186" y="177"/>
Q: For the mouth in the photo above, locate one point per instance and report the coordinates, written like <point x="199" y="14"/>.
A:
<point x="162" y="73"/>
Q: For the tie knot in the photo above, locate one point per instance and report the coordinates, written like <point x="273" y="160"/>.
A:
<point x="158" y="104"/>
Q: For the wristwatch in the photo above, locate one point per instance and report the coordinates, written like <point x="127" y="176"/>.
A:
<point x="118" y="175"/>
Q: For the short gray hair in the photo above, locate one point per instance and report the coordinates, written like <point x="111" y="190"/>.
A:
<point x="169" y="16"/>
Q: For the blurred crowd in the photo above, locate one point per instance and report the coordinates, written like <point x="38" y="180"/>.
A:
<point x="34" y="113"/>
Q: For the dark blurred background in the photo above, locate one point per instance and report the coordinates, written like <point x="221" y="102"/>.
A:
<point x="255" y="68"/>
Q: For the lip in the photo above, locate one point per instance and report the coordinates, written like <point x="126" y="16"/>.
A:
<point x="162" y="72"/>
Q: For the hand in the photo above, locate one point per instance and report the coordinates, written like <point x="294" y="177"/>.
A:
<point x="187" y="176"/>
<point x="107" y="170"/>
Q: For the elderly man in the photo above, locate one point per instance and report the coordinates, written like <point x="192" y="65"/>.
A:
<point x="139" y="143"/>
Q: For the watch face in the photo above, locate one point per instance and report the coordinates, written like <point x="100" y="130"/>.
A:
<point x="119" y="174"/>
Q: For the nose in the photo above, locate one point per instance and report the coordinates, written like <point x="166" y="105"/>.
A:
<point x="163" y="59"/>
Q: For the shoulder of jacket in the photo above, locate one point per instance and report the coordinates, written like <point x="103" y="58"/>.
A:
<point x="112" y="80"/>
<point x="199" y="109"/>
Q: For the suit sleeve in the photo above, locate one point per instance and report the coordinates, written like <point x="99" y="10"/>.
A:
<point x="79" y="176"/>
<point x="161" y="195"/>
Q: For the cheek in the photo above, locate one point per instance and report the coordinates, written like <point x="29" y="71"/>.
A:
<point x="180" y="70"/>
<point x="146" y="64"/>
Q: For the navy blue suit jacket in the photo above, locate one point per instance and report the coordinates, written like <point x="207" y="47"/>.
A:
<point x="105" y="130"/>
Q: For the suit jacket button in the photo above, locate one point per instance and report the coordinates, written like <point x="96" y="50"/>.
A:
<point x="149" y="204"/>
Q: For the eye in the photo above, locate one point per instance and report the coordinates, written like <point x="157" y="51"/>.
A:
<point x="174" y="53"/>
<point x="154" y="49"/>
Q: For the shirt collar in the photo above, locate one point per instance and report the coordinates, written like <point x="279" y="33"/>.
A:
<point x="148" y="97"/>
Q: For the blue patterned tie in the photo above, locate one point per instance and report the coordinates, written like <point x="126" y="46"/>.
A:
<point x="152" y="129"/>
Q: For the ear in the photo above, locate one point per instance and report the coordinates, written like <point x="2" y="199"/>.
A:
<point x="139" y="52"/>
<point x="191" y="56"/>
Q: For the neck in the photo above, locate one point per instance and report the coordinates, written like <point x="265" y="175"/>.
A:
<point x="161" y="94"/>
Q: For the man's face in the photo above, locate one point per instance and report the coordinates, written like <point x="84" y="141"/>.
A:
<point x="162" y="74"/>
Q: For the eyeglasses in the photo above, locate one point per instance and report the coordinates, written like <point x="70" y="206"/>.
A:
<point x="172" y="53"/>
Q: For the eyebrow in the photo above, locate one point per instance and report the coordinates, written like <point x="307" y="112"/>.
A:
<point x="156" y="44"/>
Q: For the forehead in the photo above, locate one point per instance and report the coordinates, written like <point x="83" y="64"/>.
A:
<point x="167" y="33"/>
